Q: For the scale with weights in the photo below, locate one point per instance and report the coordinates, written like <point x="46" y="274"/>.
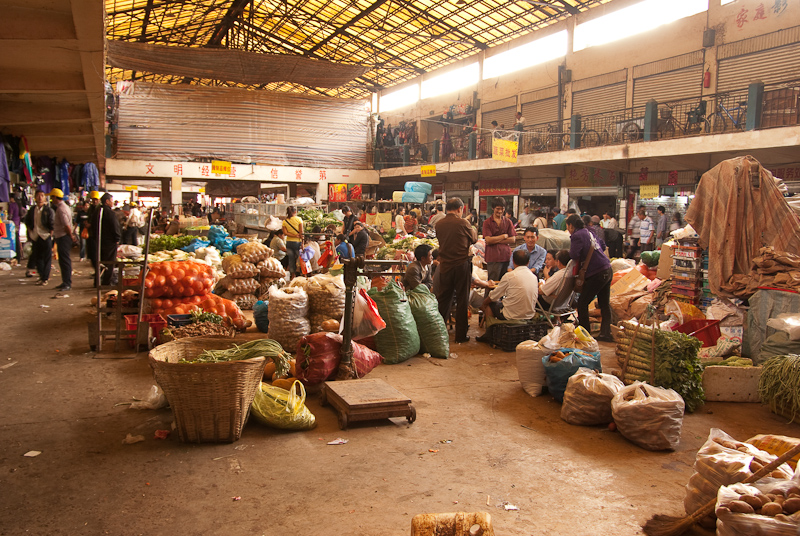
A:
<point x="369" y="399"/>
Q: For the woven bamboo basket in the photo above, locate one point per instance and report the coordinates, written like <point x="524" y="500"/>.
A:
<point x="210" y="401"/>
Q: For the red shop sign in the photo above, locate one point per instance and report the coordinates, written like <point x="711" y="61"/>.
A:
<point x="499" y="187"/>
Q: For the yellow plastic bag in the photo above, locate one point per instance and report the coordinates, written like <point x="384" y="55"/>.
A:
<point x="582" y="335"/>
<point x="282" y="409"/>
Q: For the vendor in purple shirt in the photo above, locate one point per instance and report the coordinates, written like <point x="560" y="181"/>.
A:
<point x="598" y="275"/>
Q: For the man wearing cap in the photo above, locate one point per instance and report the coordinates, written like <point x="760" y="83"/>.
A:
<point x="130" y="234"/>
<point x="39" y="222"/>
<point x="110" y="234"/>
<point x="62" y="234"/>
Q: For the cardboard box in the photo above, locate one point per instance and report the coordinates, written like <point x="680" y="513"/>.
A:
<point x="665" y="262"/>
<point x="731" y="384"/>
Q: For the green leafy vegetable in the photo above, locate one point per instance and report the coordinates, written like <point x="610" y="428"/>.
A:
<point x="779" y="384"/>
<point x="202" y="316"/>
<point x="169" y="242"/>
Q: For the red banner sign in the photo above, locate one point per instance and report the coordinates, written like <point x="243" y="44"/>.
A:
<point x="499" y="187"/>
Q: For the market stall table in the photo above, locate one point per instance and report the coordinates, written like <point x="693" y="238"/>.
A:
<point x="366" y="399"/>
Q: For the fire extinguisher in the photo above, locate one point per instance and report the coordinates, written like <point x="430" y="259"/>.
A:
<point x="707" y="79"/>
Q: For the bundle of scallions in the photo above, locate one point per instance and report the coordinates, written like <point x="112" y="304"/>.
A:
<point x="267" y="348"/>
<point x="779" y="384"/>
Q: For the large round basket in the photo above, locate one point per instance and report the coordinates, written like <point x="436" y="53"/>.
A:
<point x="210" y="401"/>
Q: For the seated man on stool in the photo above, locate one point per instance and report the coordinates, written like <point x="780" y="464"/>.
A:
<point x="558" y="283"/>
<point x="515" y="296"/>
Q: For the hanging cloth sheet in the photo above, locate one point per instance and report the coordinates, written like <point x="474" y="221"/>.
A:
<point x="738" y="209"/>
<point x="5" y="176"/>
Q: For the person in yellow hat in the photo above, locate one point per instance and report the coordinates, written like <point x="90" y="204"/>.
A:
<point x="62" y="234"/>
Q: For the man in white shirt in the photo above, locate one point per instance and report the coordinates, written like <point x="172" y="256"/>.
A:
<point x="514" y="297"/>
<point x="646" y="231"/>
<point x="609" y="221"/>
<point x="558" y="282"/>
<point x="526" y="218"/>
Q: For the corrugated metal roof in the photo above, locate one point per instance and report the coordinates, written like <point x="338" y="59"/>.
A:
<point x="397" y="39"/>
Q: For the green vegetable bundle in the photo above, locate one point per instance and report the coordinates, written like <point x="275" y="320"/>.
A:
<point x="202" y="316"/>
<point x="677" y="365"/>
<point x="313" y="217"/>
<point x="261" y="347"/>
<point x="169" y="242"/>
<point x="779" y="384"/>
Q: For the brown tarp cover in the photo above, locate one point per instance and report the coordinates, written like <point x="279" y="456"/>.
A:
<point x="770" y="269"/>
<point x="239" y="66"/>
<point x="735" y="219"/>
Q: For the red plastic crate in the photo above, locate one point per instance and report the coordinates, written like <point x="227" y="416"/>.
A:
<point x="157" y="323"/>
<point x="705" y="330"/>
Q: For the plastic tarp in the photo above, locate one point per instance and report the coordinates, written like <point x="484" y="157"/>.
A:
<point x="738" y="208"/>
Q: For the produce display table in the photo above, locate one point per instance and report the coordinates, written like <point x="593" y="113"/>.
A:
<point x="364" y="400"/>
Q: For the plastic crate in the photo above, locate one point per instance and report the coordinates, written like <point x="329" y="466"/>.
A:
<point x="688" y="252"/>
<point x="705" y="330"/>
<point x="508" y="336"/>
<point x="157" y="323"/>
<point x="179" y="320"/>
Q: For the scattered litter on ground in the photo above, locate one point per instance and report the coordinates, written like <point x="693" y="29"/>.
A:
<point x="8" y="365"/>
<point x="487" y="500"/>
<point x="338" y="441"/>
<point x="5" y="266"/>
<point x="59" y="295"/>
<point x="237" y="498"/>
<point x="240" y="447"/>
<point x="426" y="355"/>
<point x="131" y="439"/>
<point x="162" y="434"/>
<point x="446" y="441"/>
<point x="433" y="450"/>
<point x="154" y="399"/>
<point x="221" y="457"/>
<point x="32" y="453"/>
<point x="510" y="507"/>
<point x="44" y="306"/>
<point x="453" y="355"/>
<point x="528" y="427"/>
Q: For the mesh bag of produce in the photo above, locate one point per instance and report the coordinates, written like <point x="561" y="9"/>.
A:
<point x="648" y="416"/>
<point x="326" y="295"/>
<point x="242" y="286"/>
<point x="253" y="252"/>
<point x="245" y="301"/>
<point x="399" y="340"/>
<point x="587" y="399"/>
<point x="288" y="308"/>
<point x="271" y="268"/>
<point x="563" y="363"/>
<point x="433" y="337"/>
<point x="722" y="461"/>
<point x="319" y="354"/>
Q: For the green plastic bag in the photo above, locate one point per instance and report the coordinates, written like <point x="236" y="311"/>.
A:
<point x="651" y="258"/>
<point x="399" y="340"/>
<point x="433" y="337"/>
<point x="283" y="409"/>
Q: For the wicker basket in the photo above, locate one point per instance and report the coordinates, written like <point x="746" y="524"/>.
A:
<point x="210" y="401"/>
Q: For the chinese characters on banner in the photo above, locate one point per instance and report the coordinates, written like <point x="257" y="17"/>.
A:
<point x="337" y="193"/>
<point x="353" y="192"/>
<point x="428" y="171"/>
<point x="648" y="191"/>
<point x="218" y="167"/>
<point x="787" y="173"/>
<point x="505" y="150"/>
<point x="498" y="187"/>
<point x="587" y="177"/>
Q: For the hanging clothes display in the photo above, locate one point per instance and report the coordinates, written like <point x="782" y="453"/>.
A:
<point x="90" y="177"/>
<point x="5" y="176"/>
<point x="63" y="176"/>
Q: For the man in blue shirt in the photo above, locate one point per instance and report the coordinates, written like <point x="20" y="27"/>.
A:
<point x="537" y="253"/>
<point x="558" y="218"/>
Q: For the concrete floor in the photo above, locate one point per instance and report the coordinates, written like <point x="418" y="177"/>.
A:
<point x="506" y="447"/>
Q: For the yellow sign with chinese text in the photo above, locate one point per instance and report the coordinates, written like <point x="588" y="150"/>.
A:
<point x="218" y="167"/>
<point x="202" y="190"/>
<point x="428" y="171"/>
<point x="648" y="191"/>
<point x="131" y="188"/>
<point x="505" y="150"/>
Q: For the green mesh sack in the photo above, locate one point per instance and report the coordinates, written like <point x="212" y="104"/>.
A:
<point x="399" y="340"/>
<point x="433" y="337"/>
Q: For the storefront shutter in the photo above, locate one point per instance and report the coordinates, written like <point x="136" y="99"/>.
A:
<point x="598" y="100"/>
<point x="769" y="66"/>
<point x="503" y="111"/>
<point x="664" y="87"/>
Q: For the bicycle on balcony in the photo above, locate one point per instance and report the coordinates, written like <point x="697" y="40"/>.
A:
<point x="736" y="117"/>
<point x="549" y="138"/>
<point x="696" y="121"/>
<point x="621" y="131"/>
<point x="587" y="137"/>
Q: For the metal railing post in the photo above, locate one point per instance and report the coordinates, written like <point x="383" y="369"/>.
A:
<point x="575" y="131"/>
<point x="437" y="145"/>
<point x="755" y="105"/>
<point x="651" y="120"/>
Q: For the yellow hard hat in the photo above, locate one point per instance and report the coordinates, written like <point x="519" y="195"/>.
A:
<point x="134" y="204"/>
<point x="94" y="194"/>
<point x="56" y="192"/>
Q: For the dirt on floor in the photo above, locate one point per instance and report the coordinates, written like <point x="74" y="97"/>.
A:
<point x="479" y="444"/>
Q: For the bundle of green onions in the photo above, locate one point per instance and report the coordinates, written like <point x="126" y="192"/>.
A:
<point x="676" y="364"/>
<point x="779" y="385"/>
<point x="261" y="347"/>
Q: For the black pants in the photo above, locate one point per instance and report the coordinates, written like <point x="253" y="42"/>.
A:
<point x="495" y="272"/>
<point x="130" y="235"/>
<point x="64" y="247"/>
<point x="615" y="247"/>
<point x="108" y="253"/>
<point x="91" y="251"/>
<point x="599" y="286"/>
<point x="43" y="255"/>
<point x="634" y="247"/>
<point x="292" y="254"/>
<point x="455" y="280"/>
